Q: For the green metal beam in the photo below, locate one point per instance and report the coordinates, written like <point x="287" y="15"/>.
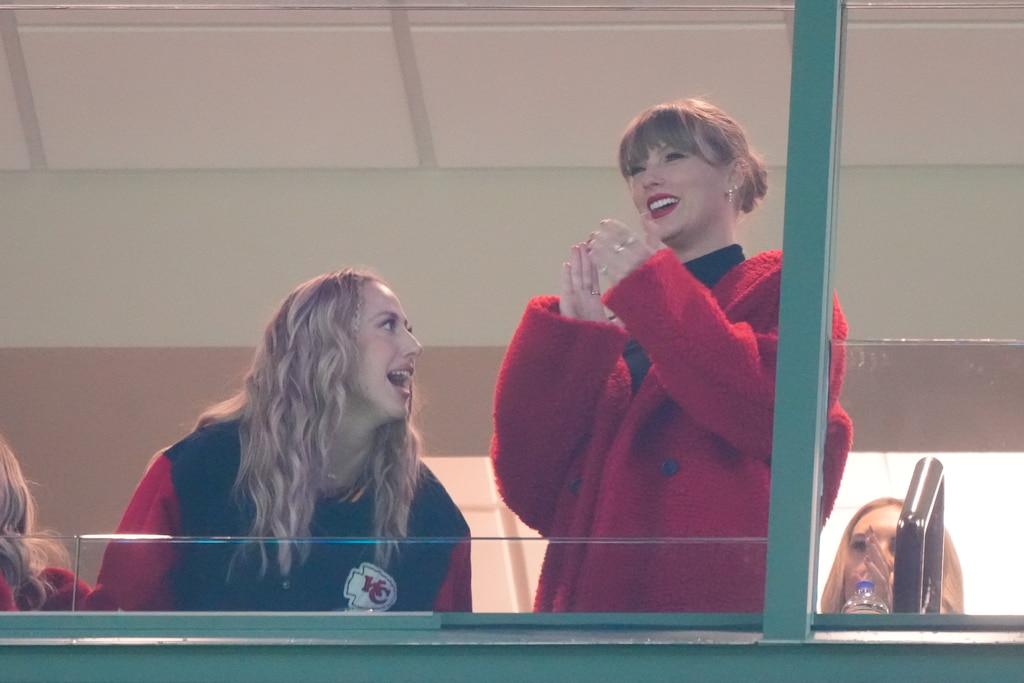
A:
<point x="563" y="662"/>
<point x="805" y="323"/>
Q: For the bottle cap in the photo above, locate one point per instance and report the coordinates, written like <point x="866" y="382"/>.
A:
<point x="865" y="585"/>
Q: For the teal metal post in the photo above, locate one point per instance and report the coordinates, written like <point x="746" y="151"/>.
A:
<point x="805" y="323"/>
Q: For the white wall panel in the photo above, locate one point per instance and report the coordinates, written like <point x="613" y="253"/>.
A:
<point x="219" y="97"/>
<point x="561" y="96"/>
<point x="934" y="94"/>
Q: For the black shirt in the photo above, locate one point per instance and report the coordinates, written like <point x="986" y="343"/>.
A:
<point x="224" y="573"/>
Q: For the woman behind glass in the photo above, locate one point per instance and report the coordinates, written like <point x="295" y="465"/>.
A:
<point x="655" y="421"/>
<point x="867" y="552"/>
<point x="29" y="576"/>
<point x="318" y="444"/>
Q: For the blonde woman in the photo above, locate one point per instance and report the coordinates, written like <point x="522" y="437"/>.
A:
<point x="29" y="576"/>
<point x="317" y="445"/>
<point x="866" y="551"/>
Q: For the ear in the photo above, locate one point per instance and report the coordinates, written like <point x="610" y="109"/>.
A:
<point x="737" y="173"/>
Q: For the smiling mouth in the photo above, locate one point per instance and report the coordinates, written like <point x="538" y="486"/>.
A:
<point x="661" y="206"/>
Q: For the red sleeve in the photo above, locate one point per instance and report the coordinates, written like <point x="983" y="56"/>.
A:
<point x="6" y="597"/>
<point x="456" y="593"/>
<point x="69" y="592"/>
<point x="136" y="575"/>
<point x="720" y="372"/>
<point x="549" y="386"/>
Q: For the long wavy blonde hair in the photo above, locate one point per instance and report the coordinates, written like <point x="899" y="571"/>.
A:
<point x="834" y="596"/>
<point x="24" y="550"/>
<point x="291" y="417"/>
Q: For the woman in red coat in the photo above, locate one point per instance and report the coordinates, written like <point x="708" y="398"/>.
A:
<point x="633" y="429"/>
<point x="26" y="582"/>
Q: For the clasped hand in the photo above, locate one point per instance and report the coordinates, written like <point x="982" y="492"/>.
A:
<point x="877" y="568"/>
<point x="612" y="251"/>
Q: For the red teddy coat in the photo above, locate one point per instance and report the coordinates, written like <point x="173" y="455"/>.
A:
<point x="578" y="456"/>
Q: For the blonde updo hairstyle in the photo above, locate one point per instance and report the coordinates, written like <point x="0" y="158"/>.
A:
<point x="696" y="127"/>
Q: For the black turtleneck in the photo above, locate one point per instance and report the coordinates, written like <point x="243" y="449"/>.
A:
<point x="708" y="269"/>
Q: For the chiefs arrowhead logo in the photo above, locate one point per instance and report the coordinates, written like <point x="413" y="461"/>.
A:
<point x="370" y="588"/>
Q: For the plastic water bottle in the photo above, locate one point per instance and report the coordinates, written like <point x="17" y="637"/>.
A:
<point x="865" y="600"/>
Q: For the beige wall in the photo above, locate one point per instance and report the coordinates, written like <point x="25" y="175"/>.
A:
<point x="130" y="301"/>
<point x="202" y="258"/>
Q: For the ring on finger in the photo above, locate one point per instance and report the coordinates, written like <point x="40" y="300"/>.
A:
<point x="621" y="246"/>
<point x="595" y="292"/>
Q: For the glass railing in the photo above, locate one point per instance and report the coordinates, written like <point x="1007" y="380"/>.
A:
<point x="923" y="265"/>
<point x="957" y="402"/>
<point x="139" y="573"/>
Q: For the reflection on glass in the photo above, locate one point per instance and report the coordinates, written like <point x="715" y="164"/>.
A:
<point x="927" y="267"/>
<point x="505" y="571"/>
<point x="227" y="574"/>
<point x="957" y="402"/>
<point x="867" y="552"/>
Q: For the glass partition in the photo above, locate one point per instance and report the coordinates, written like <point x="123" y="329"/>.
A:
<point x="140" y="573"/>
<point x="169" y="172"/>
<point x="925" y="268"/>
<point x="955" y="402"/>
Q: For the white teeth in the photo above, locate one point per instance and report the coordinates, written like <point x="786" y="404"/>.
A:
<point x="400" y="378"/>
<point x="662" y="203"/>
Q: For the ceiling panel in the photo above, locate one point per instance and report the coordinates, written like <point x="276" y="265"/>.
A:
<point x="500" y="88"/>
<point x="108" y="13"/>
<point x="13" y="151"/>
<point x="219" y="97"/>
<point x="560" y="96"/>
<point x="563" y="14"/>
<point x="934" y="94"/>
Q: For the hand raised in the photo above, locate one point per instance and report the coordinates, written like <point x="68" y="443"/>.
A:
<point x="878" y="569"/>
<point x="581" y="288"/>
<point x="617" y="252"/>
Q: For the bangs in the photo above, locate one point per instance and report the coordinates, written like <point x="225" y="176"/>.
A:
<point x="661" y="127"/>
